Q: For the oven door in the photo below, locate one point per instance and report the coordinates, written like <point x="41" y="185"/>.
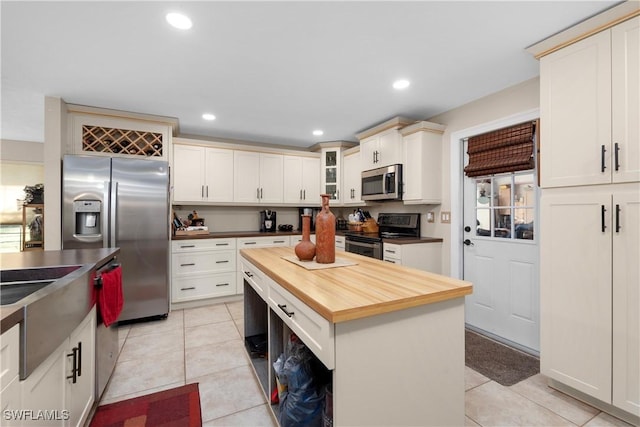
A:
<point x="369" y="249"/>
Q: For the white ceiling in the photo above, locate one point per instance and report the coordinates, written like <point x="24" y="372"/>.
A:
<point x="270" y="71"/>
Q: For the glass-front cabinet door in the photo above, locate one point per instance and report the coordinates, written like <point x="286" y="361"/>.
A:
<point x="331" y="172"/>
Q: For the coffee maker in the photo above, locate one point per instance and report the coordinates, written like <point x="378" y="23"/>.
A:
<point x="267" y="221"/>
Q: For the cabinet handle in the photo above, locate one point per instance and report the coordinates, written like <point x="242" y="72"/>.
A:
<point x="249" y="243"/>
<point x="222" y="284"/>
<point x="602" y="165"/>
<point x="187" y="264"/>
<point x="248" y="274"/>
<point x="278" y="241"/>
<point x="74" y="354"/>
<point x="207" y="191"/>
<point x="222" y="244"/>
<point x="300" y="194"/>
<point x="190" y="288"/>
<point x="618" y="219"/>
<point x="261" y="193"/>
<point x="602" y="211"/>
<point x="283" y="307"/>
<point x="79" y="359"/>
<point x="222" y="262"/>
<point x="615" y="151"/>
<point x="390" y="251"/>
<point x="202" y="191"/>
<point x="187" y="246"/>
<point x="304" y="194"/>
<point x="257" y="193"/>
<point x="391" y="261"/>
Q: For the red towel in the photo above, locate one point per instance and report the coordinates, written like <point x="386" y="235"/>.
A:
<point x="110" y="299"/>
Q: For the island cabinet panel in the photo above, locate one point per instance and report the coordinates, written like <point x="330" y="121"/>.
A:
<point x="386" y="366"/>
<point x="313" y="329"/>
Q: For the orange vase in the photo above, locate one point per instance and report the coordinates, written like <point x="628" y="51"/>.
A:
<point x="325" y="233"/>
<point x="305" y="250"/>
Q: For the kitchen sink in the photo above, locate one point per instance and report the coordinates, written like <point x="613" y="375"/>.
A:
<point x="36" y="274"/>
<point x="54" y="301"/>
<point x="13" y="292"/>
<point x="20" y="283"/>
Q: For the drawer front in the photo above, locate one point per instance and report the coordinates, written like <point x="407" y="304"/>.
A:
<point x="340" y="243"/>
<point x="262" y="242"/>
<point x="298" y="238"/>
<point x="189" y="263"/>
<point x="314" y="330"/>
<point x="249" y="273"/>
<point x="202" y="245"/>
<point x="392" y="251"/>
<point x="205" y="286"/>
<point x="9" y="356"/>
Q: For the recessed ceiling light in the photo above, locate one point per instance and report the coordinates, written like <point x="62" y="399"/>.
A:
<point x="208" y="116"/>
<point x="179" y="21"/>
<point x="318" y="132"/>
<point x="401" y="84"/>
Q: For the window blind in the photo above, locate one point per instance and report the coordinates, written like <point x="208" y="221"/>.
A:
<point x="508" y="149"/>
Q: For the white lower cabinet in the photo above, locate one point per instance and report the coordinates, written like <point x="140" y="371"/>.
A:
<point x="590" y="292"/>
<point x="202" y="268"/>
<point x="340" y="243"/>
<point x="295" y="239"/>
<point x="10" y="399"/>
<point x="423" y="256"/>
<point x="61" y="391"/>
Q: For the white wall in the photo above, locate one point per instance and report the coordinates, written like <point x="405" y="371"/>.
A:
<point x="513" y="100"/>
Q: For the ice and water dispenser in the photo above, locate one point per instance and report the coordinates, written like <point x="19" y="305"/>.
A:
<point x="87" y="217"/>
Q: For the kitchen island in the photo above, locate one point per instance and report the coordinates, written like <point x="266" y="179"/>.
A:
<point x="392" y="336"/>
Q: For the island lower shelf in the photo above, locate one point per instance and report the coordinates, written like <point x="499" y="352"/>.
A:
<point x="399" y="367"/>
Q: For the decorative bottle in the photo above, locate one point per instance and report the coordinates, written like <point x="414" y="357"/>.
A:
<point x="325" y="233"/>
<point x="305" y="250"/>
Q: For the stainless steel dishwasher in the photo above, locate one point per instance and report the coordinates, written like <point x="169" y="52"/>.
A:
<point x="107" y="347"/>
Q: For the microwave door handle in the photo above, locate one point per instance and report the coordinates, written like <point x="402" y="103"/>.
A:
<point x="385" y="179"/>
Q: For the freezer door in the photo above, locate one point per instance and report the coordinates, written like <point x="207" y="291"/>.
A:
<point x="140" y="218"/>
<point x="85" y="179"/>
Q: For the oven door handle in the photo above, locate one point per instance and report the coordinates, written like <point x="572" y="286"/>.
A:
<point x="361" y="244"/>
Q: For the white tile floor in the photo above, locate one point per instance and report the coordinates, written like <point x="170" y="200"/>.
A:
<point x="204" y="345"/>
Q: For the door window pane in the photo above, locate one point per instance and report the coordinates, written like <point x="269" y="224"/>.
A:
<point x="483" y="222"/>
<point x="506" y="206"/>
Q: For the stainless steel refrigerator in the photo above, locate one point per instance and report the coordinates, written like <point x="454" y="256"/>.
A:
<point x="120" y="202"/>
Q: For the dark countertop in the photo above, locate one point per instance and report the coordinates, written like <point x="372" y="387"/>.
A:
<point x="12" y="314"/>
<point x="234" y="234"/>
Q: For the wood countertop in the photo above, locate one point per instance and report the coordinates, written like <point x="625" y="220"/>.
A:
<point x="369" y="288"/>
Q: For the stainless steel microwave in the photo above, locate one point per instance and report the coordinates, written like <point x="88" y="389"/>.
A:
<point x="382" y="183"/>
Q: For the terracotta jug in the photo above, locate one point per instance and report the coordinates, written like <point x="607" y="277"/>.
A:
<point x="305" y="250"/>
<point x="325" y="233"/>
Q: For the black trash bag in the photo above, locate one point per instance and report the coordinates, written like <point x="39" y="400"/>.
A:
<point x="302" y="401"/>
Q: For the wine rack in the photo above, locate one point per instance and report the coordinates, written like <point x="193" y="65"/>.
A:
<point x="100" y="139"/>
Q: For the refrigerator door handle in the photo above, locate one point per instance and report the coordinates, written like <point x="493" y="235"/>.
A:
<point x="114" y="212"/>
<point x="105" y="223"/>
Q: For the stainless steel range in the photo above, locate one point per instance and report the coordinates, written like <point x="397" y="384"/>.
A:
<point x="391" y="226"/>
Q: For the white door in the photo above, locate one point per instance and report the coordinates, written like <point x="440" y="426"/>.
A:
<point x="501" y="256"/>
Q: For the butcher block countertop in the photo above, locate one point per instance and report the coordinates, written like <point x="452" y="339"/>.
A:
<point x="369" y="288"/>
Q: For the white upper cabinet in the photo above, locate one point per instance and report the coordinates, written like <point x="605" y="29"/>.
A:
<point x="382" y="145"/>
<point x="590" y="116"/>
<point x="625" y="100"/>
<point x="302" y="180"/>
<point x="258" y="177"/>
<point x="352" y="182"/>
<point x="422" y="163"/>
<point x="331" y="171"/>
<point x="202" y="174"/>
